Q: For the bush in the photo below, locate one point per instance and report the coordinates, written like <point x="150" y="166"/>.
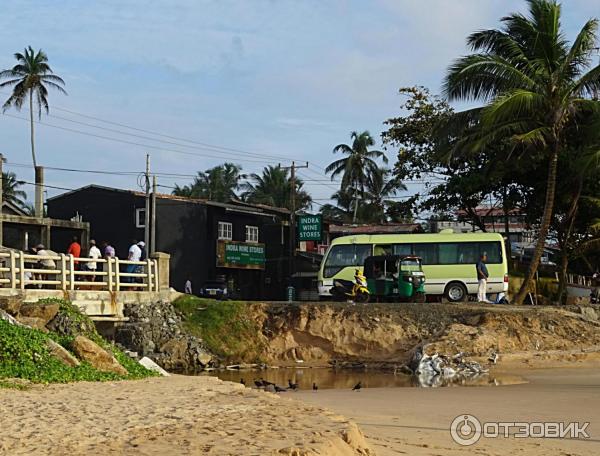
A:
<point x="225" y="327"/>
<point x="24" y="355"/>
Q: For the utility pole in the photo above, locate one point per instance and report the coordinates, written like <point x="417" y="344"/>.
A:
<point x="293" y="169"/>
<point x="153" y="224"/>
<point x="1" y="201"/>
<point x="147" y="211"/>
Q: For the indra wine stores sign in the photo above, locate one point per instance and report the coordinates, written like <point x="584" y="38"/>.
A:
<point x="309" y="227"/>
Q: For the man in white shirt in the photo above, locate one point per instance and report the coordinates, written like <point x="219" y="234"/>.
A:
<point x="94" y="253"/>
<point x="135" y="254"/>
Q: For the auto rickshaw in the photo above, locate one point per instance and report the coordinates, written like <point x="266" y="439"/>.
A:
<point x="395" y="278"/>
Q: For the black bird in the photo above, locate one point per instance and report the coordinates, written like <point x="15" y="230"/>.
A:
<point x="315" y="387"/>
<point x="266" y="383"/>
<point x="278" y="389"/>
<point x="357" y="387"/>
<point x="242" y="381"/>
<point x="292" y="386"/>
<point x="258" y="383"/>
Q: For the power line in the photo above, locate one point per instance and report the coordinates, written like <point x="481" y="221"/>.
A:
<point x="124" y="141"/>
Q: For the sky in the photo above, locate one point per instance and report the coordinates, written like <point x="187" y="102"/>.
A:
<point x="256" y="82"/>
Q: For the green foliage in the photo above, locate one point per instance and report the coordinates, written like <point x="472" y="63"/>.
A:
<point x="24" y="354"/>
<point x="274" y="188"/>
<point x="216" y="184"/>
<point x="225" y="327"/>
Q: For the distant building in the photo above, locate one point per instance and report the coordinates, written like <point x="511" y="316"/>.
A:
<point x="494" y="221"/>
<point x="245" y="244"/>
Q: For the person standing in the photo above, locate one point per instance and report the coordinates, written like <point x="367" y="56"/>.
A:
<point x="135" y="254"/>
<point x="75" y="250"/>
<point x="482" y="276"/>
<point x="94" y="253"/>
<point x="188" y="287"/>
<point x="109" y="250"/>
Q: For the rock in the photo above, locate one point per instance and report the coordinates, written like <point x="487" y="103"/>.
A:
<point x="33" y="322"/>
<point x="9" y="318"/>
<point x="99" y="358"/>
<point x="45" y="312"/>
<point x="588" y="312"/>
<point x="176" y="348"/>
<point x="204" y="358"/>
<point x="11" y="304"/>
<point x="61" y="354"/>
<point x="151" y="365"/>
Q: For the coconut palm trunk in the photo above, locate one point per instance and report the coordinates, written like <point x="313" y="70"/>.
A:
<point x="355" y="204"/>
<point x="544" y="226"/>
<point x="31" y="125"/>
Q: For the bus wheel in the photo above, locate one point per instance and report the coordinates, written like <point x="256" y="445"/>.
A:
<point x="455" y="292"/>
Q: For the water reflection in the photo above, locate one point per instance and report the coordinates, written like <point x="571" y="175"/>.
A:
<point x="346" y="379"/>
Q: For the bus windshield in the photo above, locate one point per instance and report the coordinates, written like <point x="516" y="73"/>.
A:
<point x="342" y="256"/>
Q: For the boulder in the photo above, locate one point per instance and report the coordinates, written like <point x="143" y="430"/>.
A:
<point x="33" y="322"/>
<point x="45" y="312"/>
<point x="11" y="304"/>
<point x="175" y="348"/>
<point x="99" y="358"/>
<point x="9" y="318"/>
<point x="151" y="365"/>
<point x="61" y="354"/>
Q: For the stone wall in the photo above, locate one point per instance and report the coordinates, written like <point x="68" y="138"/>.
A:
<point x="154" y="330"/>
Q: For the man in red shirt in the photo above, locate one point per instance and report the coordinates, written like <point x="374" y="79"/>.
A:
<point x="75" y="250"/>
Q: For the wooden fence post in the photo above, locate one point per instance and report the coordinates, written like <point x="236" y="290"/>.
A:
<point x="13" y="270"/>
<point x="63" y="272"/>
<point x="109" y="273"/>
<point x="71" y="273"/>
<point x="117" y="275"/>
<point x="21" y="271"/>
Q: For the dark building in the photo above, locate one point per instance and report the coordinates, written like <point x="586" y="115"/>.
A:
<point x="245" y="244"/>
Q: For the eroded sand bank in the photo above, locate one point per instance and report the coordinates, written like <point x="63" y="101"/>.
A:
<point x="169" y="416"/>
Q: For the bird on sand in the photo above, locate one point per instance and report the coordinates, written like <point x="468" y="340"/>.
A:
<point x="279" y="389"/>
<point x="258" y="383"/>
<point x="292" y="386"/>
<point x="266" y="383"/>
<point x="242" y="381"/>
<point x="357" y="387"/>
<point x="315" y="387"/>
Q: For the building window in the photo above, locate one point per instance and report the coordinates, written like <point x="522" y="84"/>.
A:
<point x="225" y="231"/>
<point x="251" y="233"/>
<point x="140" y="217"/>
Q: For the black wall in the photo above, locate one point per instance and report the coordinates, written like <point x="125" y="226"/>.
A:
<point x="188" y="231"/>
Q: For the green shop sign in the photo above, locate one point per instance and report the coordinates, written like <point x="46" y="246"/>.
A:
<point x="240" y="255"/>
<point x="309" y="227"/>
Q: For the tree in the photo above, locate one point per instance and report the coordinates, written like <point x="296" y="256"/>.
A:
<point x="216" y="184"/>
<point x="29" y="79"/>
<point x="274" y="188"/>
<point x="11" y="190"/>
<point x="358" y="167"/>
<point x="378" y="191"/>
<point x="532" y="84"/>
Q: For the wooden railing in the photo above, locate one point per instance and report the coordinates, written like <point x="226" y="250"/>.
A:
<point x="20" y="270"/>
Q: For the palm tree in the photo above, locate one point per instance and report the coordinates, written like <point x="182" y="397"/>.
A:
<point x="379" y="189"/>
<point x="274" y="188"/>
<point x="11" y="192"/>
<point x="30" y="76"/>
<point x="358" y="166"/>
<point x="533" y="83"/>
<point x="216" y="184"/>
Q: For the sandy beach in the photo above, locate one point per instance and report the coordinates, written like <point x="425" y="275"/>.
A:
<point x="416" y="421"/>
<point x="176" y="415"/>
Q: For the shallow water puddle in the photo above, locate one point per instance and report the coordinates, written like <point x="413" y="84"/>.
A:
<point x="326" y="378"/>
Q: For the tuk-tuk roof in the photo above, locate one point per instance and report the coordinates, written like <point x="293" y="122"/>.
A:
<point x="391" y="258"/>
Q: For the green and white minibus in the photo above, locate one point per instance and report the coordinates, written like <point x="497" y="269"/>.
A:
<point x="449" y="260"/>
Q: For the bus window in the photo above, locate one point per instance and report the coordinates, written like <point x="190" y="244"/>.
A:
<point x="468" y="253"/>
<point x="402" y="249"/>
<point x="428" y="252"/>
<point x="493" y="251"/>
<point x="382" y="249"/>
<point x="448" y="253"/>
<point x="342" y="256"/>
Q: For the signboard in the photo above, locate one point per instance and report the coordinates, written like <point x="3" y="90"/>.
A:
<point x="240" y="255"/>
<point x="309" y="227"/>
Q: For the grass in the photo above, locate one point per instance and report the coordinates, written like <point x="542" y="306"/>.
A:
<point x="226" y="327"/>
<point x="24" y="354"/>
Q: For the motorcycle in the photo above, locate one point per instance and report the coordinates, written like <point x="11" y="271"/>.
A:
<point x="353" y="291"/>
